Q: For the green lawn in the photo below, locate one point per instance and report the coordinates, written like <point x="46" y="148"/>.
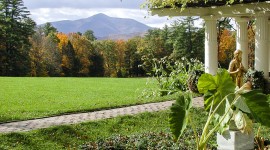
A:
<point x="142" y="131"/>
<point x="25" y="98"/>
<point x="74" y="136"/>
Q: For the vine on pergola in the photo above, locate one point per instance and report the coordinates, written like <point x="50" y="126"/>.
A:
<point x="159" y="4"/>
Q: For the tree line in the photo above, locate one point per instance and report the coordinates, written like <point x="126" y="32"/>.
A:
<point x="30" y="50"/>
<point x="54" y="53"/>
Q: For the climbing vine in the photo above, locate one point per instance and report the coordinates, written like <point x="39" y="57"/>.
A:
<point x="152" y="4"/>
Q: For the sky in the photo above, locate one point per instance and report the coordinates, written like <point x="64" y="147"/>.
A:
<point x="43" y="11"/>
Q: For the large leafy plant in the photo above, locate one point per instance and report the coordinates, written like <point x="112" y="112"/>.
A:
<point x="226" y="106"/>
<point x="172" y="76"/>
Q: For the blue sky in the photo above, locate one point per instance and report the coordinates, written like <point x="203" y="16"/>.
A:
<point x="43" y="11"/>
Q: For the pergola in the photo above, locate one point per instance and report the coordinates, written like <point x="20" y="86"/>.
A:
<point x="242" y="13"/>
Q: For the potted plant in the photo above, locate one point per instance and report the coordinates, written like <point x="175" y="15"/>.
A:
<point x="226" y="105"/>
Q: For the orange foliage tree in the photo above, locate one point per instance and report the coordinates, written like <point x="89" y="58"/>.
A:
<point x="68" y="55"/>
<point x="63" y="40"/>
<point x="227" y="46"/>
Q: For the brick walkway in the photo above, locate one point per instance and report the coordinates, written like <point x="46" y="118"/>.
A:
<point x="28" y="125"/>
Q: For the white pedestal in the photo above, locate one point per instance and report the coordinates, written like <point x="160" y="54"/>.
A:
<point x="235" y="140"/>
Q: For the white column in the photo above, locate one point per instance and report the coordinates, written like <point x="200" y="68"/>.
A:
<point x="211" y="45"/>
<point x="261" y="45"/>
<point x="242" y="39"/>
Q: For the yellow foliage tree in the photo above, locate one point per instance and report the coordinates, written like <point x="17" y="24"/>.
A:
<point x="227" y="46"/>
<point x="63" y="40"/>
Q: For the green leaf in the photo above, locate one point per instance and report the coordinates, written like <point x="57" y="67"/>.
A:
<point x="242" y="122"/>
<point x="241" y="104"/>
<point x="259" y="105"/>
<point x="224" y="82"/>
<point x="216" y="88"/>
<point x="206" y="83"/>
<point x="224" y="125"/>
<point x="178" y="117"/>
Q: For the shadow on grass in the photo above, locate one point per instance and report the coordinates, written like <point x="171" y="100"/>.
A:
<point x="17" y="140"/>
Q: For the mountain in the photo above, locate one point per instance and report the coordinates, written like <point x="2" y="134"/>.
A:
<point x="102" y="25"/>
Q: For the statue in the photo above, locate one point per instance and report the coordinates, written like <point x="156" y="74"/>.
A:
<point x="236" y="68"/>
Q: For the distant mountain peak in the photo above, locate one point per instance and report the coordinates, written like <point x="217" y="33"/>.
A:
<point x="102" y="25"/>
<point x="100" y="15"/>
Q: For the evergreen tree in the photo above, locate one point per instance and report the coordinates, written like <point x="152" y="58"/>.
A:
<point x="89" y="34"/>
<point x="16" y="28"/>
<point x="69" y="60"/>
<point x="187" y="39"/>
<point x="96" y="69"/>
<point x="133" y="58"/>
<point x="48" y="29"/>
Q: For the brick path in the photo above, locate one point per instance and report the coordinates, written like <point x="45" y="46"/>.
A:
<point x="28" y="125"/>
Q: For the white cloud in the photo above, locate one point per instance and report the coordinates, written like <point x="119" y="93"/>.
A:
<point x="43" y="15"/>
<point x="50" y="10"/>
<point x="35" y="4"/>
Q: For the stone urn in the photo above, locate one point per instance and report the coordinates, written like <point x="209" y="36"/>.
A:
<point x="234" y="139"/>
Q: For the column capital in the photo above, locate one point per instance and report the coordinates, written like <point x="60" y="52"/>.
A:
<point x="262" y="14"/>
<point x="241" y="19"/>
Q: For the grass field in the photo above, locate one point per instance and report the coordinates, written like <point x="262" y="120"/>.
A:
<point x="25" y="98"/>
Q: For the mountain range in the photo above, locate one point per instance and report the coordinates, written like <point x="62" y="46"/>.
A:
<point x="103" y="26"/>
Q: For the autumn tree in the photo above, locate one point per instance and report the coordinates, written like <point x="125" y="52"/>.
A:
<point x="53" y="58"/>
<point x="251" y="43"/>
<point x="82" y="47"/>
<point x="68" y="55"/>
<point x="37" y="54"/>
<point x="120" y="48"/>
<point x="44" y="54"/>
<point x="226" y="41"/>
<point x="226" y="46"/>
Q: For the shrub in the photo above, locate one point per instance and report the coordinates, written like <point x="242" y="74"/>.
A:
<point x="172" y="76"/>
<point x="144" y="141"/>
<point x="256" y="79"/>
<point x="193" y="80"/>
